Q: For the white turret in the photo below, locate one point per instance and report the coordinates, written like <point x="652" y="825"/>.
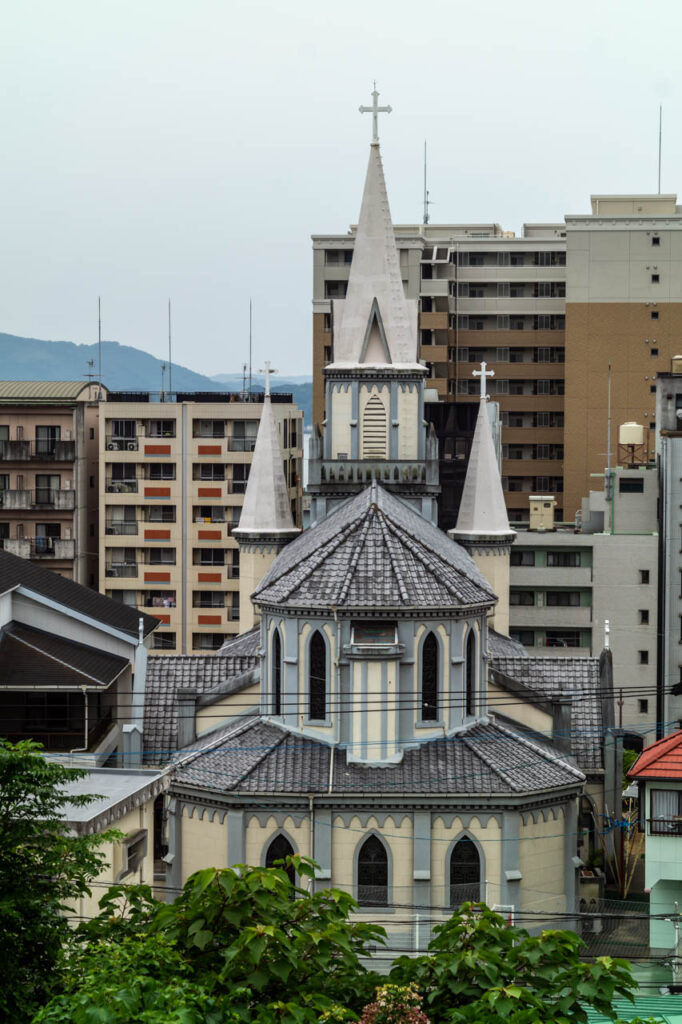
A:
<point x="266" y="524"/>
<point x="482" y="524"/>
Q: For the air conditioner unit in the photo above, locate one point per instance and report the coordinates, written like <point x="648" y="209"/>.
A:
<point x="112" y="447"/>
<point x="132" y="446"/>
<point x="109" y="530"/>
<point x="112" y="572"/>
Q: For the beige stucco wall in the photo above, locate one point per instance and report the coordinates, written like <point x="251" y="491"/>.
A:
<point x="342" y="414"/>
<point x="408" y="418"/>
<point x="213" y="715"/>
<point x="259" y="837"/>
<point x="488" y="837"/>
<point x="527" y="714"/>
<point x="204" y="842"/>
<point x="541" y="858"/>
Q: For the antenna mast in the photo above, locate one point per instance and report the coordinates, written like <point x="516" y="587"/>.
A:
<point x="426" y="191"/>
<point x="660" y="138"/>
<point x="250" y="340"/>
<point x="99" y="347"/>
<point x="170" y="362"/>
<point x="607" y="489"/>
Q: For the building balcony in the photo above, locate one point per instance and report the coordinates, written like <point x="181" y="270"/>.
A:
<point x="128" y="486"/>
<point x="513" y="305"/>
<point x="13" y="500"/>
<point x="241" y="444"/>
<point x="121" y="528"/>
<point x="41" y="450"/>
<point x="52" y="547"/>
<point x="52" y="497"/>
<point x="121" y="444"/>
<point x="543" y="578"/>
<point x="121" y="570"/>
<point x="526" y="273"/>
<point x="535" y="617"/>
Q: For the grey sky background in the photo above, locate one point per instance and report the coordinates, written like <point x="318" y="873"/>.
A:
<point x="189" y="148"/>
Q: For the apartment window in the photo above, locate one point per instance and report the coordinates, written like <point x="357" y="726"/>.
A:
<point x="210" y="471"/>
<point x="644" y="616"/>
<point x="562" y="599"/>
<point x="240" y="476"/>
<point x="656" y="240"/>
<point x="92" y="433"/>
<point x="209" y="514"/>
<point x="563" y="559"/>
<point x="47" y="485"/>
<point x="630" y="485"/>
<point x="209" y="556"/>
<point x="243" y="435"/>
<point x="653" y="352"/>
<point x="652" y="389"/>
<point x="208" y="641"/>
<point x="123" y="430"/>
<point x="161" y="428"/>
<point x="163" y="641"/>
<point x="523" y="636"/>
<point x="562" y="638"/>
<point x="522" y="598"/>
<point x="161" y="514"/>
<point x="161" y="471"/>
<point x="126" y="597"/>
<point x="643" y="707"/>
<point x="643" y="575"/>
<point x="654" y="314"/>
<point x="516" y="323"/>
<point x="655" y="278"/>
<point x="526" y="558"/>
<point x="208" y="428"/>
<point x="159" y="599"/>
<point x="208" y="599"/>
<point x="161" y="556"/>
<point x="643" y="657"/>
<point x="335" y="289"/>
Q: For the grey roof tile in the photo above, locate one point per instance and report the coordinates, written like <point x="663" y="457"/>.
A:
<point x="31" y="656"/>
<point x="374" y="552"/>
<point x="244" y="643"/>
<point x="501" y="646"/>
<point x="577" y="678"/>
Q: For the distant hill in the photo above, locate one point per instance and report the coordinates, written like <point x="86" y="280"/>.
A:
<point x="124" y="368"/>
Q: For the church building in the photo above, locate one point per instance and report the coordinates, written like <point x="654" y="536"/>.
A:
<point x="360" y="734"/>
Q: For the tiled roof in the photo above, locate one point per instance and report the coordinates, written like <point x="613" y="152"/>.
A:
<point x="166" y="674"/>
<point x="15" y="572"/>
<point x="661" y="760"/>
<point x="374" y="552"/>
<point x="31" y="657"/>
<point x="487" y="759"/>
<point x="501" y="646"/>
<point x="245" y="643"/>
<point x="554" y="678"/>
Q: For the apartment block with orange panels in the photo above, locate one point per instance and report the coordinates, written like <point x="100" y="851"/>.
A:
<point x="49" y="475"/>
<point x="484" y="295"/>
<point x="173" y="479"/>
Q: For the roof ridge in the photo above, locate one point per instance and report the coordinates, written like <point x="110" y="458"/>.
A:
<point x="265" y="753"/>
<point x="428" y="559"/>
<point x="392" y="554"/>
<point x="192" y="755"/>
<point x="547" y="754"/>
<point x="491" y="764"/>
<point x="355" y="558"/>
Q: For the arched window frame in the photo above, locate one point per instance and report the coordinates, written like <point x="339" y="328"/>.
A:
<point x="470" y="673"/>
<point x="268" y="843"/>
<point x="465" y="834"/>
<point x="327" y="677"/>
<point x="438" y="718"/>
<point x="276" y="670"/>
<point x="386" y="908"/>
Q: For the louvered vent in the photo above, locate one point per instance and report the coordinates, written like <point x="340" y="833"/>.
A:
<point x="374" y="429"/>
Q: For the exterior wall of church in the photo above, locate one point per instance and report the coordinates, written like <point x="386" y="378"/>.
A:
<point x="204" y="840"/>
<point x="485" y="830"/>
<point x="262" y="829"/>
<point x="541" y="852"/>
<point x="341" y="416"/>
<point x="409" y="421"/>
<point x="214" y="715"/>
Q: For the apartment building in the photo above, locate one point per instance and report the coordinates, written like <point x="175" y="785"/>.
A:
<point x="49" y="475"/>
<point x="174" y="472"/>
<point x="547" y="311"/>
<point x="669" y="454"/>
<point x="567" y="583"/>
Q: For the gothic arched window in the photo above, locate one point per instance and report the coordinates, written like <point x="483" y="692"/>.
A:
<point x="470" y="669"/>
<point x="373" y="873"/>
<point x="430" y="679"/>
<point x="277" y="674"/>
<point x="279" y="849"/>
<point x="317" y="678"/>
<point x="465" y="872"/>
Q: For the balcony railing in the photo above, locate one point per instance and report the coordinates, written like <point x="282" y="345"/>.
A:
<point x="665" y="826"/>
<point x="241" y="444"/>
<point x="52" y="497"/>
<point x="42" y="449"/>
<point x="122" y="570"/>
<point x="121" y="528"/>
<point x="113" y="443"/>
<point x="128" y="486"/>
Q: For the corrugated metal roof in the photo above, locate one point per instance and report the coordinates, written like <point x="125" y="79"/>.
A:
<point x="41" y="390"/>
<point x="667" y="1009"/>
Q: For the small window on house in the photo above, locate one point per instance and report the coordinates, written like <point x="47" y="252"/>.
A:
<point x="654" y="314"/>
<point x="653" y="351"/>
<point x="644" y="616"/>
<point x="656" y="240"/>
<point x="643" y="706"/>
<point x="163" y="641"/>
<point x="631" y="485"/>
<point x="524" y="598"/>
<point x="643" y="575"/>
<point x="372" y="873"/>
<point x="526" y="558"/>
<point x="666" y="812"/>
<point x="134" y="849"/>
<point x="374" y="633"/>
<point x="655" y="278"/>
<point x="643" y="657"/>
<point x="470" y="670"/>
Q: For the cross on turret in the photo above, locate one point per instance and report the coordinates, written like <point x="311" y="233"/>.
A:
<point x="375" y="110"/>
<point x="268" y="371"/>
<point x="483" y="373"/>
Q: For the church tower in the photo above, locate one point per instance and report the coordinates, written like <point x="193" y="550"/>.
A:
<point x="482" y="524"/>
<point x="374" y="387"/>
<point x="266" y="524"/>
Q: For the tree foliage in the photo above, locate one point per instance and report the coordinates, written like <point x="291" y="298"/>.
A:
<point x="480" y="969"/>
<point x="43" y="870"/>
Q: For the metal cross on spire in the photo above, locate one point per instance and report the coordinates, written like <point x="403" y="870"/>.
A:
<point x="375" y="110"/>
<point x="483" y="373"/>
<point x="268" y="371"/>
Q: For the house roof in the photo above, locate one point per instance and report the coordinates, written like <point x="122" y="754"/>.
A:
<point x="116" y="791"/>
<point x="166" y="674"/>
<point x="501" y="646"/>
<point x="556" y="678"/>
<point x="32" y="658"/>
<point x="486" y="759"/>
<point x="19" y="572"/>
<point x="42" y="391"/>
<point x="661" y="760"/>
<point x="374" y="552"/>
<point x="244" y="643"/>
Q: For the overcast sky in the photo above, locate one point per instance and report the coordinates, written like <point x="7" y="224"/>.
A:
<point x="189" y="148"/>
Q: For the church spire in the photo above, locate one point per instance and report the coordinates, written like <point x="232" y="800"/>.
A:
<point x="376" y="323"/>
<point x="482" y="523"/>
<point x="266" y="524"/>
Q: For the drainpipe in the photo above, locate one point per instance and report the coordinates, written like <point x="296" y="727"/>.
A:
<point x="132" y="731"/>
<point x="311" y="843"/>
<point x="84" y="749"/>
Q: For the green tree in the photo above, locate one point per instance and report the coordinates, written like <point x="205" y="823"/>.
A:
<point x="43" y="870"/>
<point x="239" y="944"/>
<point x="481" y="969"/>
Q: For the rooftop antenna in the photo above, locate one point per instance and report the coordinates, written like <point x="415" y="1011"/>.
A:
<point x="427" y="201"/>
<point x="99" y="347"/>
<point x="244" y="369"/>
<point x="607" y="488"/>
<point x="660" y="138"/>
<point x="170" y="361"/>
<point x="91" y="374"/>
<point x="250" y="341"/>
<point x="163" y="374"/>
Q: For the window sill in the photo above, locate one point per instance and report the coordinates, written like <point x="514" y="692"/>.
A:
<point x="437" y="723"/>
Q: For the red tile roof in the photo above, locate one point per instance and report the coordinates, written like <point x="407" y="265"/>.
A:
<point x="662" y="760"/>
